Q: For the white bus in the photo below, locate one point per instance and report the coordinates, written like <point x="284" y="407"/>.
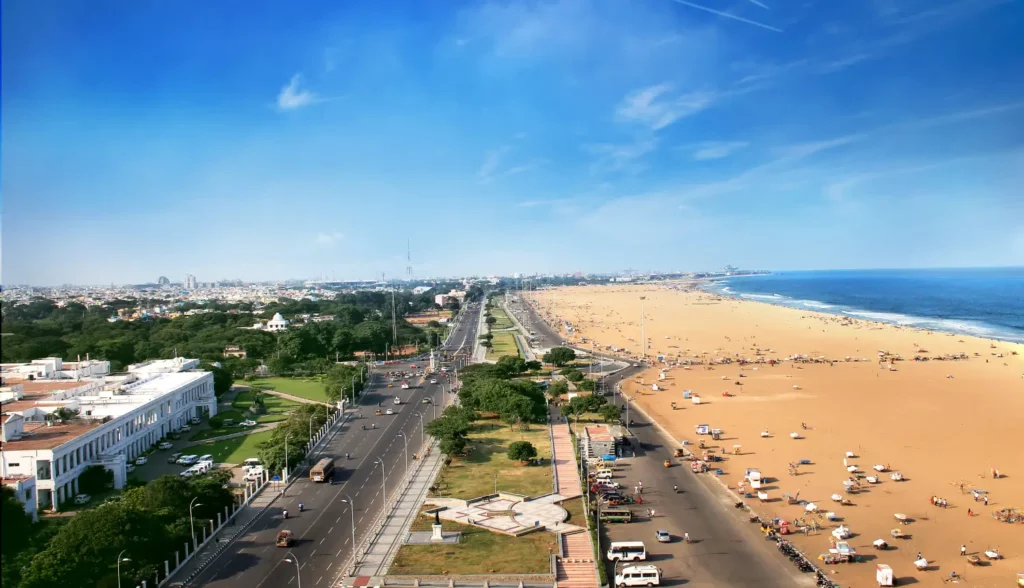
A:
<point x="627" y="551"/>
<point x="647" y="575"/>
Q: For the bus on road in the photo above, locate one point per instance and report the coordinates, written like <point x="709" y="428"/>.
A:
<point x="322" y="470"/>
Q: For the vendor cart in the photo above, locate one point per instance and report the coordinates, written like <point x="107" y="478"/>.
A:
<point x="974" y="560"/>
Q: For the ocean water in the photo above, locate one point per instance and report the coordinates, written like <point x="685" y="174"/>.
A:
<point x="980" y="302"/>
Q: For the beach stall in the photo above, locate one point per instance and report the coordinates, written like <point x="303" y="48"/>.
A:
<point x="703" y="429"/>
<point x="884" y="575"/>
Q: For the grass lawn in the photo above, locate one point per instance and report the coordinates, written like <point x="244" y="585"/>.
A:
<point x="504" y="343"/>
<point x="473" y="474"/>
<point x="479" y="552"/>
<point x="503" y="321"/>
<point x="576" y="510"/>
<point x="309" y="388"/>
<point x="234" y="450"/>
<point x="277" y="410"/>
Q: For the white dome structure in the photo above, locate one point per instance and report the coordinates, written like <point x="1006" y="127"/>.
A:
<point x="278" y="323"/>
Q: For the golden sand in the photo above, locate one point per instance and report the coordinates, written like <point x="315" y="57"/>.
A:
<point x="939" y="423"/>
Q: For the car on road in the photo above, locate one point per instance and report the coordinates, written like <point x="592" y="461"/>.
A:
<point x="195" y="420"/>
<point x="427" y="401"/>
<point x="141" y="460"/>
<point x="164" y="445"/>
<point x="663" y="536"/>
<point x="185" y="428"/>
<point x="405" y="385"/>
<point x="390" y="411"/>
<point x="187" y="459"/>
<point x="433" y="380"/>
<point x="248" y="423"/>
<point x="398" y="400"/>
<point x="173" y="458"/>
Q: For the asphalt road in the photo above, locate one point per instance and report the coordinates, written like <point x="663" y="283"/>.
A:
<point x="324" y="529"/>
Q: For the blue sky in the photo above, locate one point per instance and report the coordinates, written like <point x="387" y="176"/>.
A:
<point x="256" y="140"/>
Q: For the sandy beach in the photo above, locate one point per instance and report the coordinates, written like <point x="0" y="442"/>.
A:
<point x="944" y="423"/>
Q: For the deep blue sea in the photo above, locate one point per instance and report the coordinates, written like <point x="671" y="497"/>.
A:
<point x="980" y="302"/>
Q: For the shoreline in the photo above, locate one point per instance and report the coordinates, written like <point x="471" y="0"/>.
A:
<point x="863" y="314"/>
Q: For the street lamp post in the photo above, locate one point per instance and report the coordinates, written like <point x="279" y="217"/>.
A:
<point x="121" y="559"/>
<point x="191" y="521"/>
<point x="298" y="571"/>
<point x="405" y="442"/>
<point x="383" y="479"/>
<point x="643" y="341"/>
<point x="353" y="389"/>
<point x="352" y="510"/>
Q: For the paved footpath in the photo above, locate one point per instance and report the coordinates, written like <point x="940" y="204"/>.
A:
<point x="576" y="568"/>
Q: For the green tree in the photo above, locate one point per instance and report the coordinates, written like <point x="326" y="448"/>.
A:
<point x="609" y="412"/>
<point x="510" y="365"/>
<point x="222" y="378"/>
<point x="452" y="445"/>
<point x="559" y="356"/>
<point x="572" y="374"/>
<point x="586" y="385"/>
<point x="534" y="365"/>
<point x="490" y="320"/>
<point x="486" y="344"/>
<point x="340" y="380"/>
<point x="16" y="524"/>
<point x="521" y="451"/>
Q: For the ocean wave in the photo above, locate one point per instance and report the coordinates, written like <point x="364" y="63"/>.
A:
<point x="727" y="290"/>
<point x="768" y="297"/>
<point x="814" y="304"/>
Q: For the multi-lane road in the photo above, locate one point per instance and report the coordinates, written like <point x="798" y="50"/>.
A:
<point x="376" y="465"/>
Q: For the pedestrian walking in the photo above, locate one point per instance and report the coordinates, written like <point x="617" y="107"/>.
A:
<point x="986" y="500"/>
<point x="963" y="550"/>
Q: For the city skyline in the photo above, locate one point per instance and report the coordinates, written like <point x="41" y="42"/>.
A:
<point x="662" y="134"/>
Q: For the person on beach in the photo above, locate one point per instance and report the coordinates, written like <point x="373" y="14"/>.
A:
<point x="985" y="500"/>
<point x="969" y="513"/>
<point x="963" y="550"/>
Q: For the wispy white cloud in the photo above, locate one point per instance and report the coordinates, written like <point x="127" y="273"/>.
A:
<point x="328" y="239"/>
<point x="802" y="150"/>
<point x="620" y="157"/>
<point x="292" y="96"/>
<point x="762" y="5"/>
<point x="716" y="149"/>
<point x="656" y="107"/>
<point x="729" y="15"/>
<point x="844" y="62"/>
<point x="490" y="169"/>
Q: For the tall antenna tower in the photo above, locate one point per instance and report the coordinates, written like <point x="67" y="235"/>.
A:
<point x="394" y="317"/>
<point x="408" y="259"/>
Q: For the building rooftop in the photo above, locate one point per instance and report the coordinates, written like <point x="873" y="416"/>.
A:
<point x="598" y="432"/>
<point x="39" y="436"/>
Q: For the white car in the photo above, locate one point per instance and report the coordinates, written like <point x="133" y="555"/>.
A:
<point x="82" y="498"/>
<point x="141" y="460"/>
<point x="398" y="400"/>
<point x="663" y="536"/>
<point x="165" y="445"/>
<point x="185" y="428"/>
<point x="248" y="423"/>
<point x="206" y="457"/>
<point x="433" y="380"/>
<point x="187" y="459"/>
<point x="390" y="411"/>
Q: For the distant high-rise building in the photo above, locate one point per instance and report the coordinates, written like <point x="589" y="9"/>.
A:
<point x="163" y="281"/>
<point x="190" y="282"/>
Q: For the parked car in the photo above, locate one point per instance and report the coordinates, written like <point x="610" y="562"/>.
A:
<point x="164" y="445"/>
<point x="187" y="459"/>
<point x="141" y="460"/>
<point x="663" y="536"/>
<point x="185" y="428"/>
<point x="206" y="457"/>
<point x="82" y="498"/>
<point x="195" y="420"/>
<point x="248" y="423"/>
<point x="129" y="468"/>
<point x="173" y="458"/>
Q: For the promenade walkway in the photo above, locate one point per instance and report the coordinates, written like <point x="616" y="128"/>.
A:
<point x="297" y="398"/>
<point x="576" y="568"/>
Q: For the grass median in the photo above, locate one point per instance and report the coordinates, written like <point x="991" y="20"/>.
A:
<point x="503" y="343"/>
<point x="473" y="474"/>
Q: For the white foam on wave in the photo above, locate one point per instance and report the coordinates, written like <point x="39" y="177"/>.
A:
<point x="814" y="304"/>
<point x="768" y="297"/>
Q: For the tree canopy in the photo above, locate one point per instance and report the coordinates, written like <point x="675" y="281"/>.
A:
<point x="559" y="356"/>
<point x="521" y="451"/>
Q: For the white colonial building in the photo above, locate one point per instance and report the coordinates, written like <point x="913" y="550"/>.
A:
<point x="277" y="323"/>
<point x="109" y="420"/>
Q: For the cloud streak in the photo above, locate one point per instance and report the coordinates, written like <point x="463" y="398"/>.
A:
<point x="717" y="149"/>
<point x="292" y="96"/>
<point x="728" y="15"/>
<point x="653" y="107"/>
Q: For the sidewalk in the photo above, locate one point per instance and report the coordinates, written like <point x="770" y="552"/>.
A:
<point x="382" y="549"/>
<point x="576" y="567"/>
<point x="297" y="398"/>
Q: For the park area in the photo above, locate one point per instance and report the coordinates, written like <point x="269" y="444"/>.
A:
<point x="308" y="388"/>
<point x="503" y="343"/>
<point x="502" y="321"/>
<point x="479" y="552"/>
<point x="234" y="450"/>
<point x="473" y="474"/>
<point x="277" y="410"/>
